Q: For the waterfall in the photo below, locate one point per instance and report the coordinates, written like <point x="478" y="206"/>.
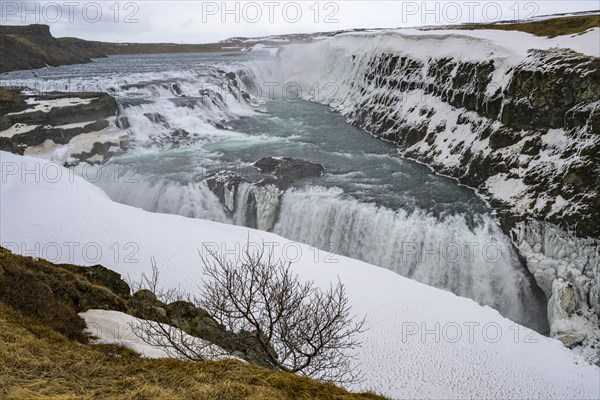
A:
<point x="477" y="262"/>
<point x="193" y="199"/>
<point x="474" y="260"/>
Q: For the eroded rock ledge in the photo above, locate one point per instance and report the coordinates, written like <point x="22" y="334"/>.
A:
<point x="63" y="127"/>
<point x="256" y="197"/>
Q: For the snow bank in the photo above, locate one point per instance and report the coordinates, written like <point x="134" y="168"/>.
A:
<point x="422" y="342"/>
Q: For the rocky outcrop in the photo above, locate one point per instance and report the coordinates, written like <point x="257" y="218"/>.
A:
<point x="197" y="322"/>
<point x="82" y="124"/>
<point x="254" y="198"/>
<point x="96" y="287"/>
<point x="466" y="126"/>
<point x="284" y="171"/>
<point x="32" y="46"/>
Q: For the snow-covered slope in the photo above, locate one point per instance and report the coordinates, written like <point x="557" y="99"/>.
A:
<point x="422" y="342"/>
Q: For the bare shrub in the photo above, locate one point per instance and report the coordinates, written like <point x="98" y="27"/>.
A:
<point x="151" y="283"/>
<point x="175" y="342"/>
<point x="300" y="327"/>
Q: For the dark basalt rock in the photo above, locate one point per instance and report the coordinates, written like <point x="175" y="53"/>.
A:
<point x="189" y="102"/>
<point x="415" y="134"/>
<point x="122" y="123"/>
<point x="503" y="138"/>
<point x="550" y="89"/>
<point x="157" y="118"/>
<point x="102" y="106"/>
<point x="176" y="90"/>
<point x="286" y="170"/>
<point x="270" y="174"/>
<point x="196" y="321"/>
<point x="550" y="83"/>
<point x="104" y="149"/>
<point x="532" y="146"/>
<point x="144" y="304"/>
<point x="108" y="278"/>
<point x="58" y="135"/>
<point x="223" y="181"/>
<point x="232" y="78"/>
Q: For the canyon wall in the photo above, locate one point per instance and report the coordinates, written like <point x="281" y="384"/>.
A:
<point x="517" y="118"/>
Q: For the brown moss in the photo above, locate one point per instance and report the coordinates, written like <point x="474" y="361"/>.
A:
<point x="10" y="101"/>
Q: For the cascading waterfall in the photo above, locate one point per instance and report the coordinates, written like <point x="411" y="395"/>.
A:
<point x="193" y="200"/>
<point x="477" y="262"/>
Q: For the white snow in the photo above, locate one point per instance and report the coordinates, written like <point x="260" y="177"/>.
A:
<point x="47" y="105"/>
<point x="505" y="188"/>
<point x="518" y="42"/>
<point x="74" y="125"/>
<point x="422" y="342"/>
<point x="79" y="144"/>
<point x="17" y="129"/>
<point x="114" y="327"/>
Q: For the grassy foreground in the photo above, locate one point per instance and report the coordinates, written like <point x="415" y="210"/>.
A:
<point x="37" y="361"/>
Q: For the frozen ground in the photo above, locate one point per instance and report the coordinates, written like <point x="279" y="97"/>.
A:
<point x="422" y="342"/>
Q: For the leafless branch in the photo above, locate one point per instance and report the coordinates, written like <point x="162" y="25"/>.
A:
<point x="300" y="328"/>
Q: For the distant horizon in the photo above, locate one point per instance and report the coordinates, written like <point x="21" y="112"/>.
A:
<point x="204" y="22"/>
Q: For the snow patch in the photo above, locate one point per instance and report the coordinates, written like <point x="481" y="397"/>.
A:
<point x="115" y="327"/>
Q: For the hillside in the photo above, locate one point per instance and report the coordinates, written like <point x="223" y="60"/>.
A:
<point x="548" y="27"/>
<point x="44" y="353"/>
<point x="33" y="46"/>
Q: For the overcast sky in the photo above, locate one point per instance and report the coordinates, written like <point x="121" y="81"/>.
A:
<point x="196" y="21"/>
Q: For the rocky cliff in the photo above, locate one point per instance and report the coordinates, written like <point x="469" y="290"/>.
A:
<point x="531" y="147"/>
<point x="32" y="46"/>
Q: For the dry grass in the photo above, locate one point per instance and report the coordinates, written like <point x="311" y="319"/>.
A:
<point x="37" y="361"/>
<point x="548" y="27"/>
